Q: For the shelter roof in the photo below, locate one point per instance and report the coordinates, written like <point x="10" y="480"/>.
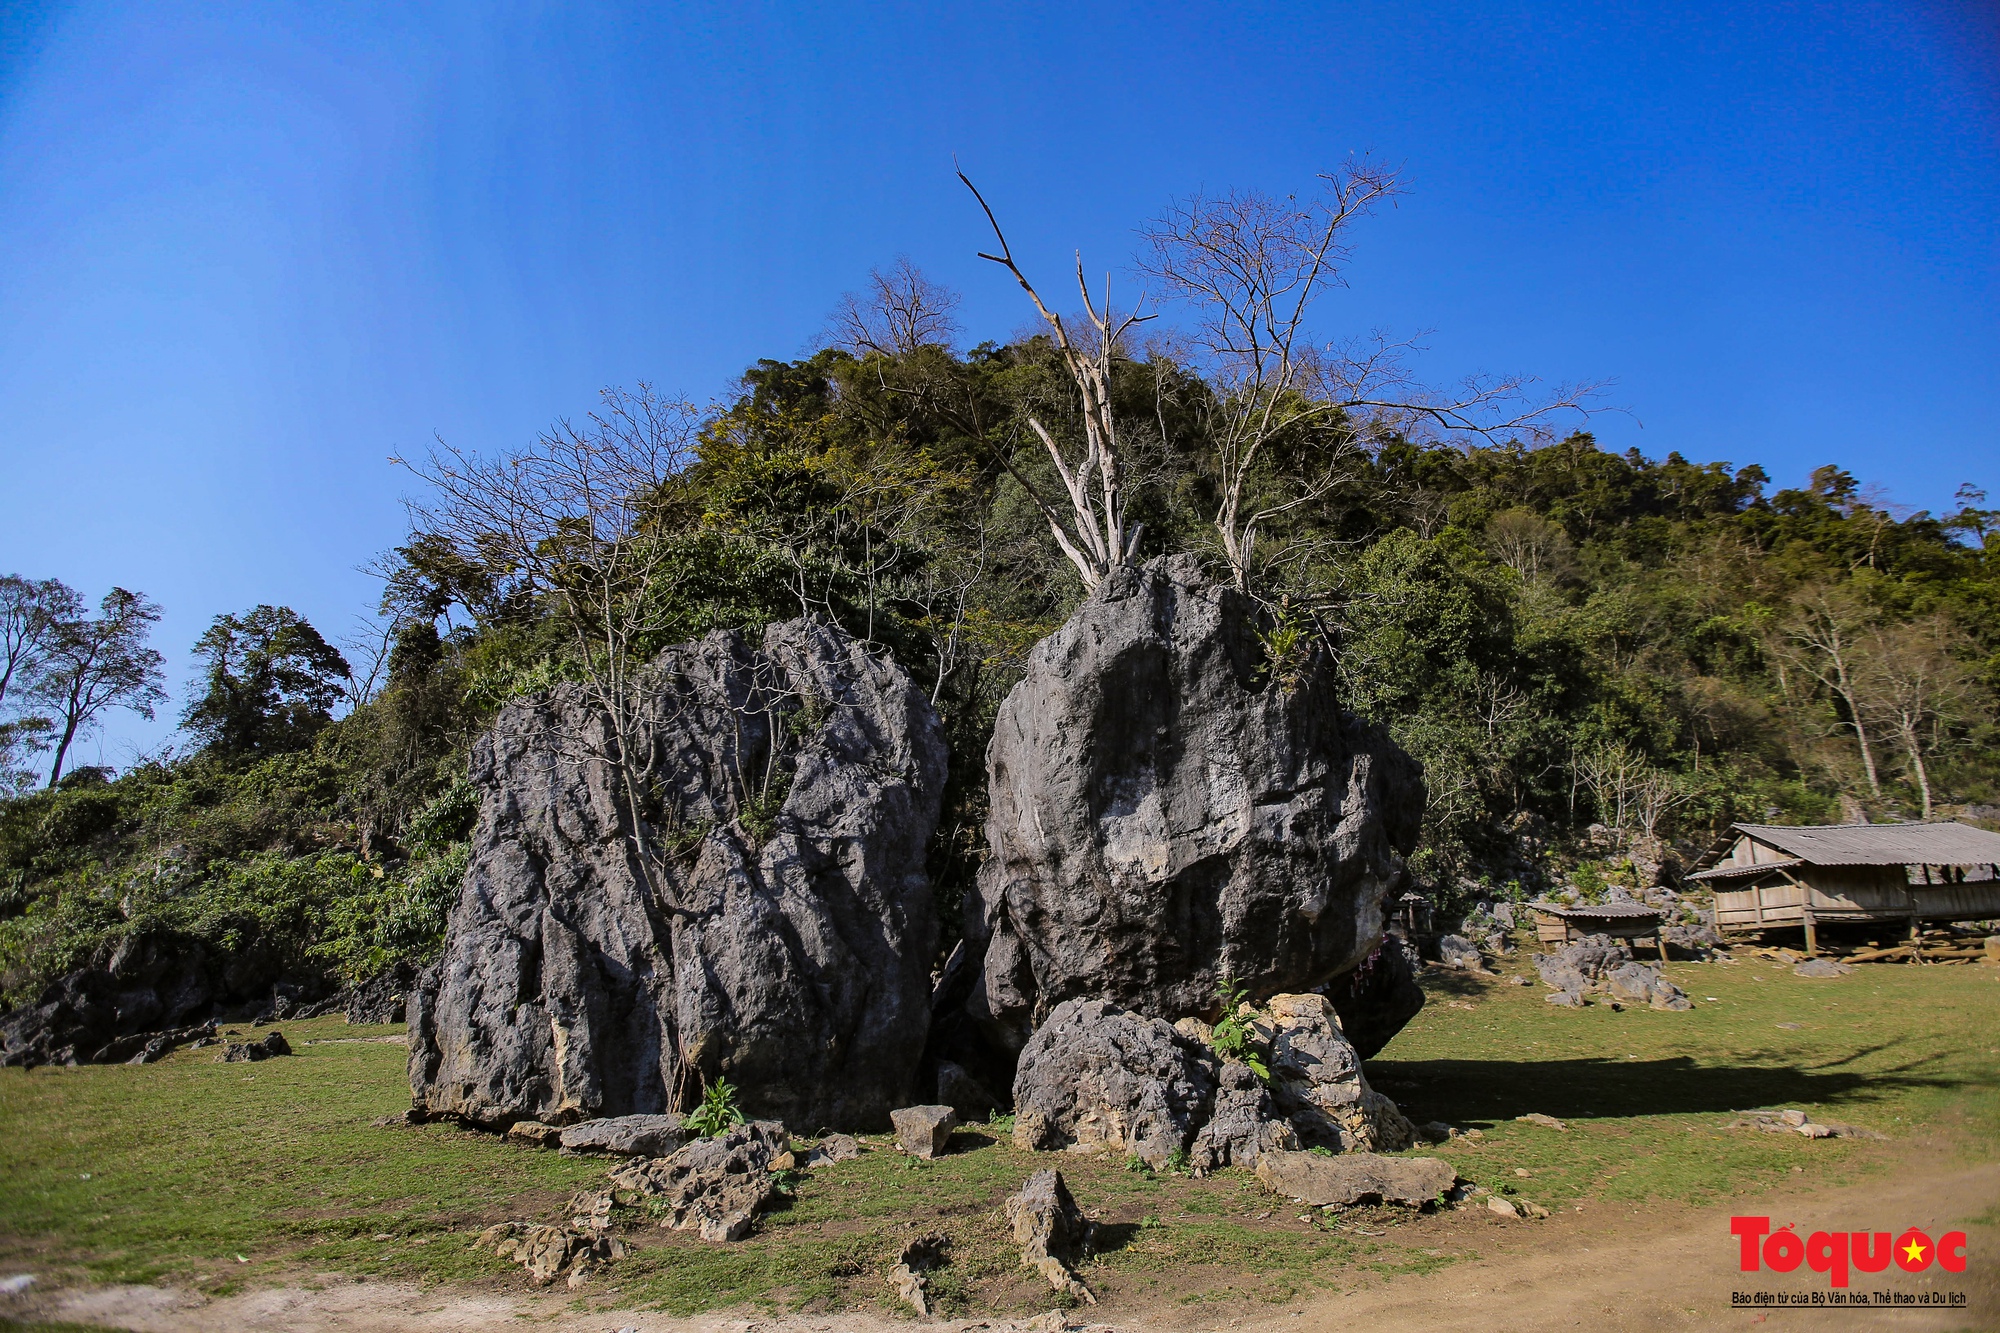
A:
<point x="1941" y="844"/>
<point x="1746" y="871"/>
<point x="1596" y="910"/>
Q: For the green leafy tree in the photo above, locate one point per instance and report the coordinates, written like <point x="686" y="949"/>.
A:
<point x="96" y="663"/>
<point x="271" y="683"/>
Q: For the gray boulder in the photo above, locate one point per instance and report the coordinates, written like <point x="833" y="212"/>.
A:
<point x="923" y="1131"/>
<point x="627" y="1136"/>
<point x="1821" y="967"/>
<point x="1052" y="1232"/>
<point x="270" y="1046"/>
<point x="1168" y="808"/>
<point x="1640" y="983"/>
<point x="1457" y="951"/>
<point x="1316" y="1081"/>
<point x="715" y="1186"/>
<point x="1096" y="1077"/>
<point x="1340" y="1182"/>
<point x="1244" y="1125"/>
<point x="779" y="936"/>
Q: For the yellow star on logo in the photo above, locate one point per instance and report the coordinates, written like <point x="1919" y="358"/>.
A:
<point x="1915" y="1251"/>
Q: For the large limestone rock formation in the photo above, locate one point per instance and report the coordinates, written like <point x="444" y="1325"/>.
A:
<point x="1096" y="1078"/>
<point x="1169" y="806"/>
<point x="787" y="947"/>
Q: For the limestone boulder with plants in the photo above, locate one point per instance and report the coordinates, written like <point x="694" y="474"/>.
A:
<point x="723" y="881"/>
<point x="1177" y="796"/>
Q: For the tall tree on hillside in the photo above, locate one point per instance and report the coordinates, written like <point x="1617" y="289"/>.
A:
<point x="32" y="611"/>
<point x="1093" y="533"/>
<point x="95" y="663"/>
<point x="1250" y="266"/>
<point x="1823" y="640"/>
<point x="1910" y="679"/>
<point x="900" y="312"/>
<point x="272" y="683"/>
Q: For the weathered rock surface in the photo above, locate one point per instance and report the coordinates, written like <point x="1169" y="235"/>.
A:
<point x="785" y="949"/>
<point x="1821" y="967"/>
<point x="1355" y="1178"/>
<point x="1244" y="1124"/>
<point x="1169" y="807"/>
<point x="923" y="1131"/>
<point x="1457" y="951"/>
<point x="1641" y="983"/>
<point x="270" y="1045"/>
<point x="1051" y="1230"/>
<point x="535" y="1134"/>
<point x="1096" y="1077"/>
<point x="833" y="1148"/>
<point x="1316" y="1081"/>
<point x="153" y="990"/>
<point x="914" y="1263"/>
<point x="715" y="1186"/>
<point x="627" y="1136"/>
<point x="1379" y="998"/>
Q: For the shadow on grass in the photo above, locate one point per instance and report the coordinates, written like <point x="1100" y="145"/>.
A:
<point x="1472" y="1091"/>
<point x="1111" y="1237"/>
<point x="1456" y="982"/>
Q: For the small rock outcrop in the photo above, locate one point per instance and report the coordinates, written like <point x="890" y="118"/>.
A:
<point x="1316" y="1081"/>
<point x="1169" y="807"/>
<point x="1098" y="1077"/>
<point x="923" y="1131"/>
<point x="270" y="1045"/>
<point x="1340" y="1182"/>
<point x="1821" y="967"/>
<point x="1458" y="951"/>
<point x="1641" y="983"/>
<point x="1051" y="1230"/>
<point x="1244" y="1124"/>
<point x="627" y="1136"/>
<point x="775" y="928"/>
<point x="715" y="1186"/>
<point x="1379" y="998"/>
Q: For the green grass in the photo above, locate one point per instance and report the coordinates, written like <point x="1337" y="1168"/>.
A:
<point x="170" y="1172"/>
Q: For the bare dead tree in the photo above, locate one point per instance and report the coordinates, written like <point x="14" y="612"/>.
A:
<point x="580" y="520"/>
<point x="1092" y="531"/>
<point x="1251" y="265"/>
<point x="900" y="311"/>
<point x="1911" y="681"/>
<point x="1822" y="640"/>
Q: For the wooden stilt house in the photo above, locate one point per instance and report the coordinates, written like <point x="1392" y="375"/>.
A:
<point x="1773" y="876"/>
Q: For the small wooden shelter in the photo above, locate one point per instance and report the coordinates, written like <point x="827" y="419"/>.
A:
<point x="1776" y="875"/>
<point x="1560" y="923"/>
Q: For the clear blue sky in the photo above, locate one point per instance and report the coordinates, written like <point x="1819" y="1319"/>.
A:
<point x="247" y="251"/>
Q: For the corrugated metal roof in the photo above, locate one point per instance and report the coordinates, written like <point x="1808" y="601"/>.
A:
<point x="1596" y="909"/>
<point x="1739" y="872"/>
<point x="1948" y="844"/>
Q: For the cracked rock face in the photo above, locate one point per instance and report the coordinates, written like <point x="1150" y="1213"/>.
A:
<point x="1169" y="806"/>
<point x="1097" y="1078"/>
<point x="1316" y="1080"/>
<point x="780" y="934"/>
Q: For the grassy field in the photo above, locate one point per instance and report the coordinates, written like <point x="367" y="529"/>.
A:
<point x="214" y="1175"/>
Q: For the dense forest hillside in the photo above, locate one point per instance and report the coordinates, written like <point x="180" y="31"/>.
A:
<point x="1566" y="637"/>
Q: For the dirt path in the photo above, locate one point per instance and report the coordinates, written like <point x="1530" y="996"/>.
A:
<point x="1660" y="1268"/>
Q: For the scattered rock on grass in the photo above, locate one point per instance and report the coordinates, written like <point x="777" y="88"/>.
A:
<point x="716" y="1186"/>
<point x="1821" y="967"/>
<point x="1793" y="1121"/>
<point x="1641" y="983"/>
<point x="1351" y="1178"/>
<point x="913" y="1262"/>
<point x="273" y="1044"/>
<point x="1545" y="1121"/>
<point x="833" y="1148"/>
<point x="1496" y="1204"/>
<point x="1052" y="1232"/>
<point x="1457" y="951"/>
<point x="923" y="1131"/>
<point x="535" y="1134"/>
<point x="627" y="1136"/>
